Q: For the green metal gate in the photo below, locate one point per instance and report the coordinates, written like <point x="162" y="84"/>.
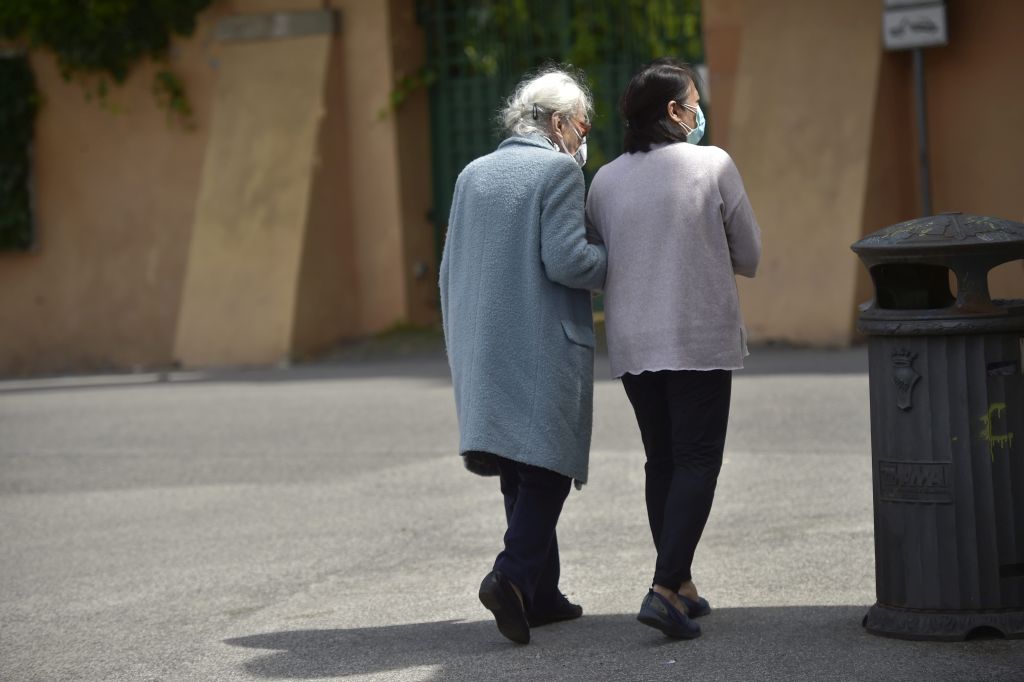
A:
<point x="18" y="104"/>
<point x="479" y="50"/>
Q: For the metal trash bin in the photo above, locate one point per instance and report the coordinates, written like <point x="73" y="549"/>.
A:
<point x="947" y="429"/>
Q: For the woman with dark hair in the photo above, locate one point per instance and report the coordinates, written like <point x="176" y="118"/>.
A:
<point x="678" y="227"/>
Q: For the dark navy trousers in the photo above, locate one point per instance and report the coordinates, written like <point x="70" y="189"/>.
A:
<point x="533" y="502"/>
<point x="683" y="416"/>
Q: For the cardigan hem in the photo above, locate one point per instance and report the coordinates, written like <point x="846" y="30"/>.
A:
<point x="673" y="368"/>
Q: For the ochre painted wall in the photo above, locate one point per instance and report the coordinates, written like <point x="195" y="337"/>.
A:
<point x="975" y="95"/>
<point x="412" y="126"/>
<point x="115" y="189"/>
<point x="821" y="123"/>
<point x="251" y="214"/>
<point x="312" y="222"/>
<point x="891" y="195"/>
<point x="723" y="33"/>
<point x="800" y="132"/>
<point x="378" y="235"/>
<point x="293" y="217"/>
<point x="352" y="254"/>
<point x="327" y="298"/>
<point x="369" y="263"/>
<point x="319" y="232"/>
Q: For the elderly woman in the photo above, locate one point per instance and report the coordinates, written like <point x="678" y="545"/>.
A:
<point x="678" y="227"/>
<point x="514" y="279"/>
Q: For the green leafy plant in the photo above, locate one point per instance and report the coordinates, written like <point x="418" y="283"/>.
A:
<point x="104" y="39"/>
<point x="170" y="92"/>
<point x="406" y="85"/>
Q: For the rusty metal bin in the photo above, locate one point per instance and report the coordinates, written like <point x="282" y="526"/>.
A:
<point x="946" y="378"/>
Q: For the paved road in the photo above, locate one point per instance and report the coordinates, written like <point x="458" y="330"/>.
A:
<point x="314" y="523"/>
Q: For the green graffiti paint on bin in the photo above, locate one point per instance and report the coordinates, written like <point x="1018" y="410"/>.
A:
<point x="1002" y="440"/>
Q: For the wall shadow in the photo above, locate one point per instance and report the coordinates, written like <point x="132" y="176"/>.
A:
<point x="431" y="366"/>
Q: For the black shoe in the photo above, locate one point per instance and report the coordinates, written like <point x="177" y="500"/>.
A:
<point x="659" y="613"/>
<point x="696" y="609"/>
<point x="498" y="595"/>
<point x="561" y="609"/>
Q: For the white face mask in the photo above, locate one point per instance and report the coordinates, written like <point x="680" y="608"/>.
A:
<point x="580" y="157"/>
<point x="581" y="151"/>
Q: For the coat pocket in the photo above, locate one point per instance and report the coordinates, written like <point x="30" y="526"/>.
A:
<point x="580" y="334"/>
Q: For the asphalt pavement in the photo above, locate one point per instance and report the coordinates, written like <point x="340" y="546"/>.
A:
<point x="314" y="522"/>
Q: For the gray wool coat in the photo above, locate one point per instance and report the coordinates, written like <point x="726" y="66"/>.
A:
<point x="515" y="303"/>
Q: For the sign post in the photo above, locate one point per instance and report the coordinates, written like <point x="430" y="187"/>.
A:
<point x="914" y="25"/>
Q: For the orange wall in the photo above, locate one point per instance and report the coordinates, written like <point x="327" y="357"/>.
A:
<point x="975" y="94"/>
<point x="378" y="233"/>
<point x="327" y="297"/>
<point x="115" y="189"/>
<point x="800" y="133"/>
<point x="975" y="106"/>
<point x="723" y="31"/>
<point x="412" y="127"/>
<point x="784" y="85"/>
<point x="822" y="129"/>
<point x="117" y="194"/>
<point x="369" y="255"/>
<point x="891" y="195"/>
<point x="238" y="305"/>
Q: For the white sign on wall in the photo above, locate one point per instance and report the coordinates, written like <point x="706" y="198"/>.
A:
<point x="908" y="24"/>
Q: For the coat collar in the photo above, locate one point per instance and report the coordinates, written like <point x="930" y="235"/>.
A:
<point x="527" y="141"/>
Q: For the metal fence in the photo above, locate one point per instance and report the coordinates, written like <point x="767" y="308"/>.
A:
<point x="479" y="50"/>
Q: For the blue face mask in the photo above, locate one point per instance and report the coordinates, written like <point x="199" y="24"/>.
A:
<point x="694" y="135"/>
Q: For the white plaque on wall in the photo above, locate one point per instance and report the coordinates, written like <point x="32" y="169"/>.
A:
<point x="908" y="24"/>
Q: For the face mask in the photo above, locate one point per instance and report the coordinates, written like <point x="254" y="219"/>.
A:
<point x="580" y="157"/>
<point x="694" y="135"/>
<point x="581" y="152"/>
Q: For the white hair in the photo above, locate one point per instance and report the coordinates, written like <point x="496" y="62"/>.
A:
<point x="537" y="98"/>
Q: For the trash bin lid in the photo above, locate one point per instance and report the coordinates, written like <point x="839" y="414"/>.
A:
<point x="946" y="233"/>
<point x="913" y="263"/>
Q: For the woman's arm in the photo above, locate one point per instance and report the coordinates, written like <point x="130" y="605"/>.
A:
<point x="568" y="258"/>
<point x="741" y="229"/>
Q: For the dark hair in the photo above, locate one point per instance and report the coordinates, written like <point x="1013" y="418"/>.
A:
<point x="644" y="103"/>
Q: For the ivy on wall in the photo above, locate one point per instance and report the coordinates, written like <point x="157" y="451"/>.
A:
<point x="106" y="38"/>
<point x="96" y="41"/>
<point x="18" y="103"/>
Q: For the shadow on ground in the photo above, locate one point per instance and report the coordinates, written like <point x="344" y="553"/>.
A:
<point x="813" y="642"/>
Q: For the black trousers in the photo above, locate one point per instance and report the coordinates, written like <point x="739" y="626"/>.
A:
<point x="683" y="416"/>
<point x="533" y="502"/>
